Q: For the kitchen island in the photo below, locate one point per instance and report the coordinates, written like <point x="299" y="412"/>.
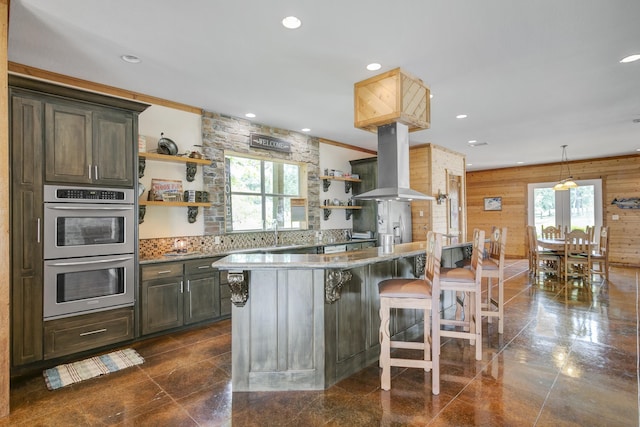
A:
<point x="304" y="321"/>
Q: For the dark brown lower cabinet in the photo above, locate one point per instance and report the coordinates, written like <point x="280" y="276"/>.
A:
<point x="174" y="294"/>
<point x="78" y="333"/>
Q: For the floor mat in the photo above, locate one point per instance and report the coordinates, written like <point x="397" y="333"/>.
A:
<point x="63" y="375"/>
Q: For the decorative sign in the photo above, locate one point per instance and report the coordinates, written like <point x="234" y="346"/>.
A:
<point x="493" y="203"/>
<point x="270" y="143"/>
<point x="629" y="203"/>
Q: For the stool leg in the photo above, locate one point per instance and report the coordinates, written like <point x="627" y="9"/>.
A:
<point x="427" y="339"/>
<point x="501" y="304"/>
<point x="489" y="304"/>
<point x="478" y="324"/>
<point x="385" y="345"/>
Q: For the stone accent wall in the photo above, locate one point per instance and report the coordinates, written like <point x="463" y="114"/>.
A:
<point x="220" y="133"/>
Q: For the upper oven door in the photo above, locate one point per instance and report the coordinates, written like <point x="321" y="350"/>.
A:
<point x="74" y="230"/>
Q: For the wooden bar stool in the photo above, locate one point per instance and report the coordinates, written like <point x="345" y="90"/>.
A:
<point x="420" y="294"/>
<point x="493" y="268"/>
<point x="466" y="282"/>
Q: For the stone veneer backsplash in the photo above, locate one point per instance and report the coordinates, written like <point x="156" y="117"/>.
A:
<point x="154" y="248"/>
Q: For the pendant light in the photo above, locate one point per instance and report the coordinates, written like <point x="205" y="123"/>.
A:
<point x="568" y="182"/>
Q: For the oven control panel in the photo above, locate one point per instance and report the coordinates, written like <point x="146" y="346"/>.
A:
<point x="58" y="193"/>
<point x="88" y="194"/>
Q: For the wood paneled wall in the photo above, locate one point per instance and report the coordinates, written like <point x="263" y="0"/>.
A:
<point x="620" y="179"/>
<point x="429" y="166"/>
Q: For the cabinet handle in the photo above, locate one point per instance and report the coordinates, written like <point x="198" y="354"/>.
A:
<point x="89" y="172"/>
<point x="38" y="230"/>
<point x="181" y="286"/>
<point x="97" y="331"/>
<point x="188" y="286"/>
<point x="95" y="168"/>
<point x="164" y="271"/>
<point x="205" y="266"/>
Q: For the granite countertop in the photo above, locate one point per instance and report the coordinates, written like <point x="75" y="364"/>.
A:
<point x="342" y="260"/>
<point x="173" y="256"/>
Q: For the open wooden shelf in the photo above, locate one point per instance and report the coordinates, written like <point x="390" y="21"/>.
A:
<point x="175" y="159"/>
<point x="160" y="203"/>
<point x="340" y="178"/>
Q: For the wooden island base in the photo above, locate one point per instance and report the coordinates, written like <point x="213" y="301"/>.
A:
<point x="305" y="322"/>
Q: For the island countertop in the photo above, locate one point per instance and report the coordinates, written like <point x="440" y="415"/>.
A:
<point x="341" y="260"/>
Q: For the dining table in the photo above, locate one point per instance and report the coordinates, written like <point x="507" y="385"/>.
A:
<point x="556" y="245"/>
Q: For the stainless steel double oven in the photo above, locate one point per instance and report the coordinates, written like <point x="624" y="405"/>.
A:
<point x="89" y="249"/>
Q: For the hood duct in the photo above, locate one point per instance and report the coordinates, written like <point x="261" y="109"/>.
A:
<point x="393" y="166"/>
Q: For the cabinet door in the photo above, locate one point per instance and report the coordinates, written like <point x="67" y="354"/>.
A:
<point x="67" y="143"/>
<point x="112" y="148"/>
<point x="26" y="142"/>
<point x="201" y="299"/>
<point x="161" y="304"/>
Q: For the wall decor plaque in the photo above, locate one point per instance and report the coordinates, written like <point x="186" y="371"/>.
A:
<point x="267" y="142"/>
<point x="493" y="203"/>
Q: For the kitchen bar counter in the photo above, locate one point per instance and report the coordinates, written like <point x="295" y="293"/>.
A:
<point x="305" y="322"/>
<point x="342" y="260"/>
<point x="281" y="248"/>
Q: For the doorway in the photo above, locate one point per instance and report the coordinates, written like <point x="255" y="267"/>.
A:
<point x="575" y="208"/>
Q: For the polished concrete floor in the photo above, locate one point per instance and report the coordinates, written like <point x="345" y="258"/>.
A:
<point x="565" y="359"/>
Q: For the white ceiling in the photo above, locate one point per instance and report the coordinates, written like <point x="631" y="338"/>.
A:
<point x="530" y="75"/>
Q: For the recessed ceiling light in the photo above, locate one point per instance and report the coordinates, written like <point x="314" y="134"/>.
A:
<point x="519" y="163"/>
<point x="469" y="164"/>
<point x="430" y="95"/>
<point x="250" y="115"/>
<point x="630" y="58"/>
<point x="291" y="22"/>
<point x="461" y="116"/>
<point x="132" y="59"/>
<point x="374" y="66"/>
<point x="305" y="130"/>
<point x="472" y="141"/>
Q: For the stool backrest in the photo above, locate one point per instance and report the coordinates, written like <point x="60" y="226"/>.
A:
<point x="497" y="244"/>
<point x="433" y="256"/>
<point x="477" y="253"/>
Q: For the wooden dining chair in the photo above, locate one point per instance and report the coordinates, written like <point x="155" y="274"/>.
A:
<point x="600" y="255"/>
<point x="422" y="294"/>
<point x="551" y="232"/>
<point x="465" y="283"/>
<point x="493" y="268"/>
<point x="577" y="255"/>
<point x="541" y="261"/>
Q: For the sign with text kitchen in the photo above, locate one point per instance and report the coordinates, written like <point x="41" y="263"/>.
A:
<point x="270" y="143"/>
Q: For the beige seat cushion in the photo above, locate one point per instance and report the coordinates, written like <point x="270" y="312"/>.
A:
<point x="457" y="275"/>
<point x="405" y="288"/>
<point x="490" y="264"/>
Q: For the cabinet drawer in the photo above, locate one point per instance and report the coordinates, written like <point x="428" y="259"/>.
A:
<point x="200" y="266"/>
<point x="158" y="271"/>
<point x="79" y="333"/>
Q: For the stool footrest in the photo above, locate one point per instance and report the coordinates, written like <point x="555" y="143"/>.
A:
<point x="412" y="363"/>
<point x="408" y="345"/>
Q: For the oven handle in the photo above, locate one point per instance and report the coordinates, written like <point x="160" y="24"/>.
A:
<point x="59" y="264"/>
<point x="92" y="208"/>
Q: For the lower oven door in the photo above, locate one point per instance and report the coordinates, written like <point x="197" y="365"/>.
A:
<point x="79" y="285"/>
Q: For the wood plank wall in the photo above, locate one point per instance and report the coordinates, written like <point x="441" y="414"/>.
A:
<point x="620" y="179"/>
<point x="429" y="166"/>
